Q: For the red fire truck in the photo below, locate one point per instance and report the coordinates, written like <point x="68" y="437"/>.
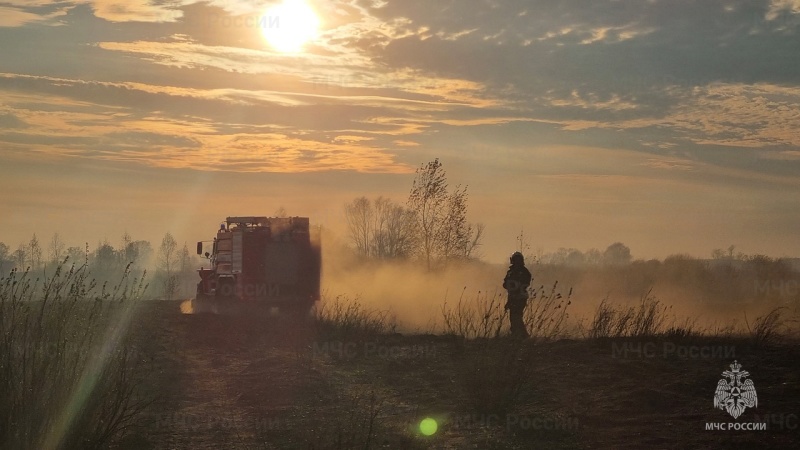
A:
<point x="259" y="262"/>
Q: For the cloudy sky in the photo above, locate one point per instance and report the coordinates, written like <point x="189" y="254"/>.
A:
<point x="670" y="125"/>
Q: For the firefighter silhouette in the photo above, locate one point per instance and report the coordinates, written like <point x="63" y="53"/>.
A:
<point x="516" y="282"/>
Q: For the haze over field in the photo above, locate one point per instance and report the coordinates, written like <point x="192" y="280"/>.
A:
<point x="669" y="126"/>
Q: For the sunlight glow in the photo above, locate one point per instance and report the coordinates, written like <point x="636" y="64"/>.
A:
<point x="289" y="25"/>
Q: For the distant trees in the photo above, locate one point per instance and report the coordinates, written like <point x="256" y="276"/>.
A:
<point x="359" y="215"/>
<point x="20" y="256"/>
<point x="56" y="249"/>
<point x="433" y="224"/>
<point x="174" y="268"/>
<point x="137" y="253"/>
<point x="379" y="228"/>
<point x="5" y="258"/>
<point x="187" y="279"/>
<point x="167" y="263"/>
<point x="77" y="255"/>
<point x="34" y="253"/>
<point x="615" y="254"/>
<point x="174" y="265"/>
<point x="104" y="261"/>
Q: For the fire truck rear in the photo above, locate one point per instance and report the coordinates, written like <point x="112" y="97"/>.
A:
<point x="261" y="262"/>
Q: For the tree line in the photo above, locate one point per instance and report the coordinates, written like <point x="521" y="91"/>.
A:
<point x="173" y="266"/>
<point x="430" y="226"/>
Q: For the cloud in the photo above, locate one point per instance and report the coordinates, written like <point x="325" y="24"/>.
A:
<point x="592" y="101"/>
<point x="784" y="155"/>
<point x="14" y="15"/>
<point x="779" y="7"/>
<point x="669" y="164"/>
<point x="394" y="77"/>
<point x="735" y="115"/>
<point x="403" y="143"/>
<point x="317" y="71"/>
<point x="60" y="125"/>
<point x="138" y="10"/>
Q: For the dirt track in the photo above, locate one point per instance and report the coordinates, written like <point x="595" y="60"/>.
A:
<point x="223" y="382"/>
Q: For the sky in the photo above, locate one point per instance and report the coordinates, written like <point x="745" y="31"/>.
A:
<point x="671" y="126"/>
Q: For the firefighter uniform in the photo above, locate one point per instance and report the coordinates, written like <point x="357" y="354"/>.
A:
<point x="516" y="282"/>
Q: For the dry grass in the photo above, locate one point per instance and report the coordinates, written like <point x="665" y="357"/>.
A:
<point x="769" y="328"/>
<point x="344" y="319"/>
<point x="480" y="317"/>
<point x="645" y="320"/>
<point x="546" y="313"/>
<point x="495" y="370"/>
<point x="66" y="371"/>
<point x="495" y="373"/>
<point x="484" y="316"/>
<point x="355" y="426"/>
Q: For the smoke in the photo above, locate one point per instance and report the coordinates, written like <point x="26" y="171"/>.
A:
<point x="686" y="288"/>
<point x="406" y="289"/>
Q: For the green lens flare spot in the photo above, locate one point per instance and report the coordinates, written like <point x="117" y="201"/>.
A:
<point x="428" y="426"/>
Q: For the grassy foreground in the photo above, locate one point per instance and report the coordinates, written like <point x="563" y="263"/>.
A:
<point x="345" y="379"/>
<point x="87" y="366"/>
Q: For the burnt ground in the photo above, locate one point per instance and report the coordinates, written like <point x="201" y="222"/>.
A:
<point x="264" y="383"/>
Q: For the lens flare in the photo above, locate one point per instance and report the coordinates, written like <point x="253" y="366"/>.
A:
<point x="428" y="426"/>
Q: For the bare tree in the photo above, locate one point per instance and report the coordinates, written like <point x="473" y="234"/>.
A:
<point x="440" y="217"/>
<point x="20" y="257"/>
<point x="380" y="228"/>
<point x="168" y="263"/>
<point x="4" y="257"/>
<point x="76" y="255"/>
<point x="392" y="232"/>
<point x="34" y="253"/>
<point x="453" y="236"/>
<point x="360" y="216"/>
<point x="186" y="274"/>
<point x="474" y="237"/>
<point x="56" y="248"/>
<point x="125" y="249"/>
<point x="427" y="201"/>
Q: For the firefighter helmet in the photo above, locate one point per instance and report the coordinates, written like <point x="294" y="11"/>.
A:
<point x="517" y="258"/>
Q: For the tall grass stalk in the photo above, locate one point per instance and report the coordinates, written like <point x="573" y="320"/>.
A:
<point x="767" y="329"/>
<point x="646" y="319"/>
<point x="546" y="312"/>
<point x="480" y="317"/>
<point x="51" y="331"/>
<point x="345" y="319"/>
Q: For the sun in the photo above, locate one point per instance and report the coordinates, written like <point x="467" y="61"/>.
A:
<point x="289" y="25"/>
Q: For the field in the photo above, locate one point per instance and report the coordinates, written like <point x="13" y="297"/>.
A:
<point x="92" y="365"/>
<point x="233" y="382"/>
